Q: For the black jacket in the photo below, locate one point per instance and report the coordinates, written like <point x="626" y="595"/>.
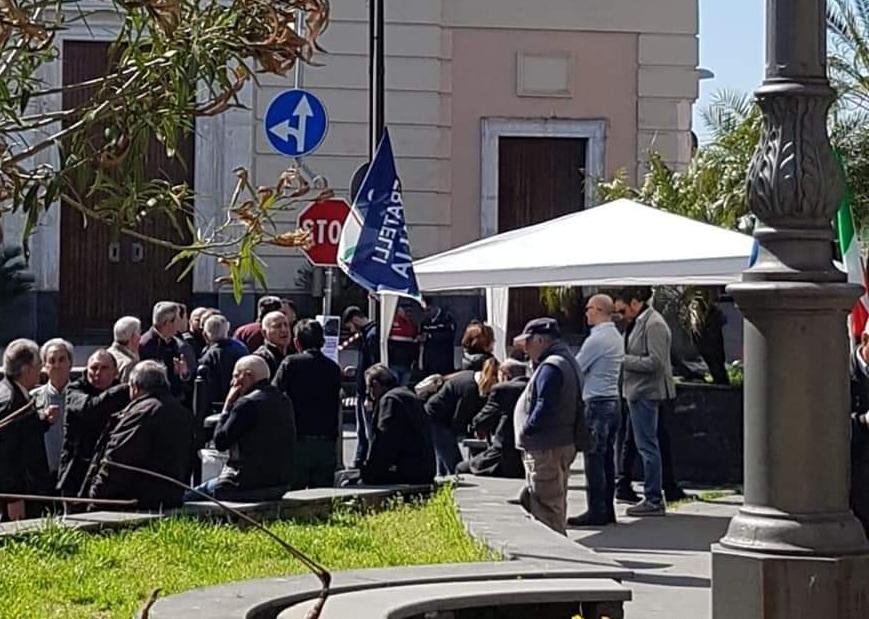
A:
<point x="369" y="354"/>
<point x="88" y="413"/>
<point x="456" y="402"/>
<point x="272" y="356"/>
<point x="218" y="362"/>
<point x="155" y="432"/>
<point x="197" y="342"/>
<point x="259" y="432"/>
<point x="859" y="443"/>
<point x="152" y="346"/>
<point x="23" y="465"/>
<point x="400" y="451"/>
<point x="312" y="382"/>
<point x="501" y="459"/>
<point x="438" y="352"/>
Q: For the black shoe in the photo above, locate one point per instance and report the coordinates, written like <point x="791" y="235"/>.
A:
<point x="627" y="495"/>
<point x="587" y="520"/>
<point x="676" y="494"/>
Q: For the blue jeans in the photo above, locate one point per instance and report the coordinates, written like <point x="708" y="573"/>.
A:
<point x="644" y="421"/>
<point x="446" y="446"/>
<point x="363" y="431"/>
<point x="603" y="416"/>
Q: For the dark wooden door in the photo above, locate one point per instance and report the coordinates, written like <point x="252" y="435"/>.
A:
<point x="103" y="275"/>
<point x="538" y="179"/>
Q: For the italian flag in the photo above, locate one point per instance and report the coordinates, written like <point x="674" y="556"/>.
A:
<point x="853" y="262"/>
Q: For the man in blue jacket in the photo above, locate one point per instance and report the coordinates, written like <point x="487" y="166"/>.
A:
<point x="549" y="423"/>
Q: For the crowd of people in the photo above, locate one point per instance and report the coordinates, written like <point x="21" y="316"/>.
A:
<point x="279" y="421"/>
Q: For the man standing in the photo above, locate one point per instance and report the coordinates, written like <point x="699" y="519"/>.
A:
<point x="403" y="345"/>
<point x="276" y="330"/>
<point x="218" y="360"/>
<point x="438" y="335"/>
<point x="50" y="398"/>
<point x="154" y="432"/>
<point x="312" y="382"/>
<point x="548" y="422"/>
<point x="355" y="321"/>
<point x="159" y="344"/>
<point x="251" y="334"/>
<point x="600" y="361"/>
<point x="257" y="428"/>
<point x="90" y="404"/>
<point x="23" y="466"/>
<point x="648" y="379"/>
<point x="860" y="430"/>
<point x="125" y="348"/>
<point x="194" y="335"/>
<point x="401" y="450"/>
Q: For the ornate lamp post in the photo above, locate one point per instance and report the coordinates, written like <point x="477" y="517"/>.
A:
<point x="795" y="549"/>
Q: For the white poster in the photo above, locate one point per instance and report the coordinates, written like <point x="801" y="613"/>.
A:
<point x="332" y="331"/>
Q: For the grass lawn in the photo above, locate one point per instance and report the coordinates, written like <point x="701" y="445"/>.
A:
<point x="66" y="574"/>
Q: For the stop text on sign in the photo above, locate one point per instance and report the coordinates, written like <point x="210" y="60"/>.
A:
<point x="325" y="220"/>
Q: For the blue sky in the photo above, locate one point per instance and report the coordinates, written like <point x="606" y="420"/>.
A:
<point x="731" y="46"/>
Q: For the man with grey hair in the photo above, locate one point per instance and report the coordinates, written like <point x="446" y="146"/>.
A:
<point x="56" y="355"/>
<point x="125" y="348"/>
<point x="257" y="428"/>
<point x="218" y="360"/>
<point x="154" y="432"/>
<point x="251" y="334"/>
<point x="159" y="343"/>
<point x="23" y="466"/>
<point x="276" y="330"/>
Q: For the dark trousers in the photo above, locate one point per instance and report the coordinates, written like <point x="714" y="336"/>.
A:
<point x="628" y="449"/>
<point x="363" y="431"/>
<point x="316" y="461"/>
<point x="603" y="417"/>
<point x="860" y="472"/>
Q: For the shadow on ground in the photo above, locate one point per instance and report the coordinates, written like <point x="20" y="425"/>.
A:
<point x="676" y="532"/>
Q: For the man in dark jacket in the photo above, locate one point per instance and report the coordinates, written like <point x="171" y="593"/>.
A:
<point x="438" y="334"/>
<point x="355" y="321"/>
<point x="450" y="411"/>
<point x="312" y="382"/>
<point x="860" y="431"/>
<point x="401" y="449"/>
<point x="258" y="430"/>
<point x="91" y="403"/>
<point x="155" y="433"/>
<point x="549" y="423"/>
<point x="276" y="330"/>
<point x="23" y="464"/>
<point x="495" y="420"/>
<point x="251" y="334"/>
<point x="161" y="344"/>
<point x="218" y="361"/>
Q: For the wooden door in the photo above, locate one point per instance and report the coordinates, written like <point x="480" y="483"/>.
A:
<point x="538" y="179"/>
<point x="102" y="275"/>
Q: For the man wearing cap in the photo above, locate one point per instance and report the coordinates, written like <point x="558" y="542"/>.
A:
<point x="548" y="422"/>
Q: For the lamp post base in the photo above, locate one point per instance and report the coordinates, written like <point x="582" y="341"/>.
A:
<point x="769" y="586"/>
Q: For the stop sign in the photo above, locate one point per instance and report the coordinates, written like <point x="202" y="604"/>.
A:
<point x="324" y="219"/>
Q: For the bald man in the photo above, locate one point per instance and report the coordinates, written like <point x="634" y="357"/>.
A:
<point x="600" y="361"/>
<point x="258" y="429"/>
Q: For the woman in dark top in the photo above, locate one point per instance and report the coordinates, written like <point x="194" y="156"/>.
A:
<point x="478" y="342"/>
<point x="452" y="408"/>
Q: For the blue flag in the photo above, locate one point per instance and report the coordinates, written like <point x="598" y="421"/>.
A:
<point x="374" y="250"/>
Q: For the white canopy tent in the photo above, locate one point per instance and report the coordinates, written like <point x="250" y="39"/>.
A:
<point x="620" y="243"/>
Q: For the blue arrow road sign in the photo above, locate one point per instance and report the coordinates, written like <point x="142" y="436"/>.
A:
<point x="296" y="123"/>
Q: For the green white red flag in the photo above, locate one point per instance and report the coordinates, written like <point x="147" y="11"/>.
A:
<point x="849" y="244"/>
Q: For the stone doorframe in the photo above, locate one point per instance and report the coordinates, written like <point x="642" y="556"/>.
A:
<point x="221" y="144"/>
<point x="593" y="130"/>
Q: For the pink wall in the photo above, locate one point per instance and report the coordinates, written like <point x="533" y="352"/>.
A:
<point x="484" y="85"/>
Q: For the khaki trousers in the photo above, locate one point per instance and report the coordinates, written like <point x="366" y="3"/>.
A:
<point x="545" y="494"/>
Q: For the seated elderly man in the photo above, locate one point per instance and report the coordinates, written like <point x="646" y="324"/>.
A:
<point x="258" y="429"/>
<point x="154" y="432"/>
<point x="90" y="405"/>
<point x="276" y="331"/>
<point x="50" y="398"/>
<point x="400" y="449"/>
<point x="218" y="360"/>
<point x="23" y="466"/>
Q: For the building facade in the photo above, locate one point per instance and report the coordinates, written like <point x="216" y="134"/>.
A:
<point x="501" y="112"/>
